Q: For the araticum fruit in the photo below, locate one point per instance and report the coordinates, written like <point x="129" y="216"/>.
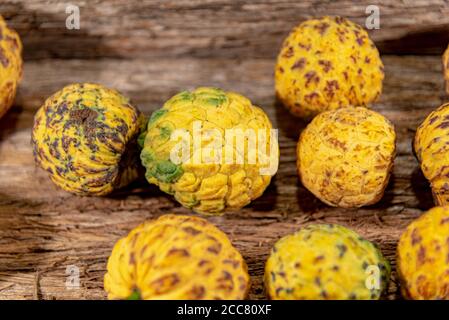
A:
<point x="325" y="64"/>
<point x="325" y="261"/>
<point x="176" y="257"/>
<point x="345" y="156"/>
<point x="423" y="257"/>
<point x="10" y="65"/>
<point x="85" y="137"/>
<point x="209" y="187"/>
<point x="431" y="148"/>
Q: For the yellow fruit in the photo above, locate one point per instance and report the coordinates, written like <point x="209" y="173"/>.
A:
<point x="431" y="146"/>
<point x="10" y="65"/>
<point x="325" y="64"/>
<point x="423" y="256"/>
<point x="345" y="156"/>
<point x="176" y="257"/>
<point x="85" y="137"/>
<point x="207" y="182"/>
<point x="325" y="261"/>
<point x="446" y="68"/>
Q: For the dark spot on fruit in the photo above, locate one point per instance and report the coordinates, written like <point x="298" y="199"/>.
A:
<point x="299" y="64"/>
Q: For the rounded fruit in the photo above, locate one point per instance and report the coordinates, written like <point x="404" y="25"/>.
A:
<point x="176" y="257"/>
<point x="10" y="65"/>
<point x="345" y="156"/>
<point x="85" y="137"/>
<point x="205" y="148"/>
<point x="446" y="68"/>
<point x="431" y="145"/>
<point x="325" y="261"/>
<point x="423" y="256"/>
<point x="327" y="63"/>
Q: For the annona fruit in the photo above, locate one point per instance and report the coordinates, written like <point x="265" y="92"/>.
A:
<point x="208" y="119"/>
<point x="327" y="63"/>
<point x="85" y="136"/>
<point x="325" y="261"/>
<point x="176" y="257"/>
<point x="345" y="156"/>
<point x="423" y="256"/>
<point x="446" y="68"/>
<point x="431" y="146"/>
<point x="10" y="65"/>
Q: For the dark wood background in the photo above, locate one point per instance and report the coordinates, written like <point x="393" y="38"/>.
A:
<point x="150" y="50"/>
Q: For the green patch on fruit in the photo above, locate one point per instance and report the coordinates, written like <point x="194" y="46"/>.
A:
<point x="166" y="171"/>
<point x="134" y="296"/>
<point x="156" y="115"/>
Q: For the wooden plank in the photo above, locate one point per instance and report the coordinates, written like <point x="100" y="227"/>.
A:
<point x="44" y="230"/>
<point x="212" y="28"/>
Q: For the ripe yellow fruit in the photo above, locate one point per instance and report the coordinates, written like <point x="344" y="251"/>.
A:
<point x="431" y="148"/>
<point x="325" y="261"/>
<point x="345" y="156"/>
<point x="423" y="257"/>
<point x="325" y="64"/>
<point x="446" y="68"/>
<point x="207" y="124"/>
<point x="10" y="65"/>
<point x="85" y="137"/>
<point x="176" y="257"/>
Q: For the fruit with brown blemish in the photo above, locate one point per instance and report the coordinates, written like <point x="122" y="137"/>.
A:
<point x="10" y="65"/>
<point x="423" y="257"/>
<point x="345" y="156"/>
<point x="85" y="137"/>
<point x="176" y="257"/>
<point x="325" y="261"/>
<point x="431" y="146"/>
<point x="325" y="64"/>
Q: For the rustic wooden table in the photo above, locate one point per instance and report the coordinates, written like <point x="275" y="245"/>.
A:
<point x="150" y="50"/>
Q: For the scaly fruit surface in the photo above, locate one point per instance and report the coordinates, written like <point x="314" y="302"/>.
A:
<point x="431" y="146"/>
<point x="215" y="173"/>
<point x="423" y="257"/>
<point x="85" y="137"/>
<point x="176" y="257"/>
<point x="325" y="64"/>
<point x="10" y="65"/>
<point x="345" y="156"/>
<point x="325" y="261"/>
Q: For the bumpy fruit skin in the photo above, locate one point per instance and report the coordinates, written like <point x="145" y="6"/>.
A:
<point x="446" y="68"/>
<point x="207" y="187"/>
<point x="431" y="146"/>
<point x="325" y="64"/>
<point x="10" y="65"/>
<point x="345" y="156"/>
<point x="176" y="257"/>
<point x="325" y="261"/>
<point x="423" y="257"/>
<point x="85" y="137"/>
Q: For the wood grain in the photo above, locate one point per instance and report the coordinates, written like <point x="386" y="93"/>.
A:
<point x="43" y="230"/>
<point x="212" y="28"/>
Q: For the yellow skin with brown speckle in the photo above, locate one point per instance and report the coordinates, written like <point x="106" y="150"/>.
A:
<point x="209" y="187"/>
<point x="325" y="261"/>
<point x="431" y="148"/>
<point x="423" y="257"/>
<point x="446" y="68"/>
<point x="176" y="257"/>
<point x="345" y="156"/>
<point x="85" y="137"/>
<point x="325" y="64"/>
<point x="10" y="65"/>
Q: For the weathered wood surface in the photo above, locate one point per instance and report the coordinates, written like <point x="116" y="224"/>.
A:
<point x="211" y="28"/>
<point x="43" y="230"/>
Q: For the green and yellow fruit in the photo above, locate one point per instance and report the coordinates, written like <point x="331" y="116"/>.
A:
<point x="345" y="156"/>
<point x="325" y="261"/>
<point x="10" y="65"/>
<point x="423" y="257"/>
<point x="85" y="137"/>
<point x="176" y="257"/>
<point x="203" y="167"/>
<point x="431" y="147"/>
<point x="325" y="64"/>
